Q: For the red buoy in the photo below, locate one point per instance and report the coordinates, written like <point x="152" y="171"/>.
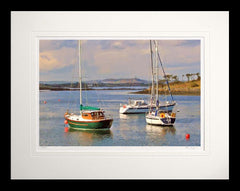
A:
<point x="65" y="129"/>
<point x="45" y="102"/>
<point x="59" y="100"/>
<point x="65" y="122"/>
<point x="187" y="136"/>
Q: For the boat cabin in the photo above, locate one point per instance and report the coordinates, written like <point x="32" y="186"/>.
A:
<point x="138" y="102"/>
<point x="163" y="113"/>
<point x="93" y="115"/>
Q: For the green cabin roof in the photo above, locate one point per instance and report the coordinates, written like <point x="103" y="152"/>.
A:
<point x="88" y="108"/>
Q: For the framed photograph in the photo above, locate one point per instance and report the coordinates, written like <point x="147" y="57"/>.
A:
<point x="119" y="95"/>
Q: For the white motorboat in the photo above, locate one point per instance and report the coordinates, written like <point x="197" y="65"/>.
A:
<point x="140" y="106"/>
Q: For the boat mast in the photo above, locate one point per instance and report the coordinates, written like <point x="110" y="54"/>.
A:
<point x="156" y="67"/>
<point x="152" y="91"/>
<point x="80" y="73"/>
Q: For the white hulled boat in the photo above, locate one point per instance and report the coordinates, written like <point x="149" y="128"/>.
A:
<point x="136" y="106"/>
<point x="157" y="115"/>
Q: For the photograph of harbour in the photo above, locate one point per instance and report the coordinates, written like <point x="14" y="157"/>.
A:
<point x="144" y="92"/>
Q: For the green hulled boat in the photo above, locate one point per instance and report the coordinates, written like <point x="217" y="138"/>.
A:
<point x="89" y="117"/>
<point x="89" y="120"/>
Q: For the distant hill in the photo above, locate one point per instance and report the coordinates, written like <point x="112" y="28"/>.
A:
<point x="58" y="86"/>
<point x="65" y="85"/>
<point x="105" y="81"/>
<point x="125" y="81"/>
<point x="56" y="82"/>
<point x="118" y="82"/>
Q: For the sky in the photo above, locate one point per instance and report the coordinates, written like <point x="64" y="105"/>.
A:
<point x="103" y="59"/>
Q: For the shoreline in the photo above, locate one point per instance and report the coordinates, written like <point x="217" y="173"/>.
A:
<point x="77" y="89"/>
<point x="177" y="88"/>
<point x="160" y="92"/>
<point x="144" y="91"/>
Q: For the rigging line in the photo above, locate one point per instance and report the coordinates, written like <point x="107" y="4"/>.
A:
<point x="152" y="90"/>
<point x="83" y="78"/>
<point x="80" y="70"/>
<point x="164" y="74"/>
<point x="84" y="86"/>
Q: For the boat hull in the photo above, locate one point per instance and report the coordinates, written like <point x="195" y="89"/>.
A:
<point x="167" y="121"/>
<point x="138" y="110"/>
<point x="100" y="124"/>
<point x="133" y="110"/>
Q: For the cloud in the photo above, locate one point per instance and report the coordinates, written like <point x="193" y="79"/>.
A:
<point x="128" y="60"/>
<point x="179" y="51"/>
<point x="46" y="45"/>
<point x="118" y="58"/>
<point x="56" y="59"/>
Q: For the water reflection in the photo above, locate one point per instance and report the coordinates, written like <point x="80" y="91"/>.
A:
<point x="160" y="131"/>
<point x="130" y="116"/>
<point x="88" y="137"/>
<point x="158" y="135"/>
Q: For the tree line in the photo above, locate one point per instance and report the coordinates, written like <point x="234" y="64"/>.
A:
<point x="189" y="76"/>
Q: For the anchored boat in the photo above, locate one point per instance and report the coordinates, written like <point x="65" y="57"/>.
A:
<point x="134" y="107"/>
<point x="157" y="115"/>
<point x="161" y="117"/>
<point x="140" y="106"/>
<point x="89" y="117"/>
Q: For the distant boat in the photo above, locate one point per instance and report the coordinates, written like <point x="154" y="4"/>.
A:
<point x="134" y="107"/>
<point x="140" y="106"/>
<point x="137" y="106"/>
<point x="89" y="117"/>
<point x="157" y="115"/>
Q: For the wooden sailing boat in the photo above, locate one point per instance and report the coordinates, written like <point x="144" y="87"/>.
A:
<point x="157" y="115"/>
<point x="89" y="117"/>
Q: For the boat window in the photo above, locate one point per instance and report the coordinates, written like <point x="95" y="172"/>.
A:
<point x="85" y="114"/>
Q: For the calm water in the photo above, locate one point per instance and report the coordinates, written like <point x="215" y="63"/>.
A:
<point x="126" y="130"/>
